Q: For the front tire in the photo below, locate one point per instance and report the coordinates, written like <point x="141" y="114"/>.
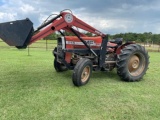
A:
<point x="58" y="66"/>
<point x="82" y="72"/>
<point x="132" y="63"/>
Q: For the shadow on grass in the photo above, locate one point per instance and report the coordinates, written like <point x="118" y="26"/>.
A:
<point x="103" y="75"/>
<point x="95" y="75"/>
<point x="48" y="77"/>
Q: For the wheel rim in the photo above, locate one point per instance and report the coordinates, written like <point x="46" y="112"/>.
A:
<point x="136" y="64"/>
<point x="85" y="74"/>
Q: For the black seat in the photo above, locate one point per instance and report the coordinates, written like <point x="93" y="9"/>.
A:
<point x="117" y="41"/>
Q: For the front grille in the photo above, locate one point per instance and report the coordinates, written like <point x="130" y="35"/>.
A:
<point x="59" y="50"/>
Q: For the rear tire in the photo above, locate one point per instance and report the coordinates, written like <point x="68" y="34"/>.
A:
<point x="82" y="72"/>
<point x="132" y="63"/>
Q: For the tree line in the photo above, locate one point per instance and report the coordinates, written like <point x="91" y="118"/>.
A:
<point x="147" y="37"/>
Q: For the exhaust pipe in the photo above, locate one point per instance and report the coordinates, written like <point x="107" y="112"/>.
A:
<point x="17" y="33"/>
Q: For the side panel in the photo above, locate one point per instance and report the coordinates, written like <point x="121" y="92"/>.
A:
<point x="68" y="55"/>
<point x="93" y="42"/>
<point x="73" y="43"/>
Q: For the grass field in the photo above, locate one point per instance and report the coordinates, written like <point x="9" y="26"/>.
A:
<point x="30" y="89"/>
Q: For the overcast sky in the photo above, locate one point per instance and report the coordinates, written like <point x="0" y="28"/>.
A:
<point x="109" y="16"/>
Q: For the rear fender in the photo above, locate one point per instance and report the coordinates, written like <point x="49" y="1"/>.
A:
<point x="118" y="51"/>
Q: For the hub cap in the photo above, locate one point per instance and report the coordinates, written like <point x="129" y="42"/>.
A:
<point x="136" y="65"/>
<point x="85" y="74"/>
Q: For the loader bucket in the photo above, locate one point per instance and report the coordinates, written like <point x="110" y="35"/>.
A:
<point x="17" y="33"/>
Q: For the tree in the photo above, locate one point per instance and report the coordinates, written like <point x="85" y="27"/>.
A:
<point x="68" y="33"/>
<point x="89" y="34"/>
<point x="156" y="38"/>
<point x="53" y="36"/>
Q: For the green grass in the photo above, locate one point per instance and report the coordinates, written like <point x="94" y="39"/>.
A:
<point x="31" y="89"/>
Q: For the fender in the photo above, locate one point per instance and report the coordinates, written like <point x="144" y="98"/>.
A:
<point x="118" y="50"/>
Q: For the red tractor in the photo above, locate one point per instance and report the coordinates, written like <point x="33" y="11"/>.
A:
<point x="80" y="53"/>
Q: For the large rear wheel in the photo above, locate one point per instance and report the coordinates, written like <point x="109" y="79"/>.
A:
<point x="132" y="62"/>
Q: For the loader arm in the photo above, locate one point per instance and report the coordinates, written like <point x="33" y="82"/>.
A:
<point x="63" y="21"/>
<point x="20" y="33"/>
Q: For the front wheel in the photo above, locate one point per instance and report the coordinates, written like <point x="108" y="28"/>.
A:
<point x="132" y="63"/>
<point x="82" y="72"/>
<point x="58" y="66"/>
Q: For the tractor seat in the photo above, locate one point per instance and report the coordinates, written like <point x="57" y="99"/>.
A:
<point x="117" y="41"/>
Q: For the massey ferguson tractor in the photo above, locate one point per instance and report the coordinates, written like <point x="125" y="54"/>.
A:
<point x="80" y="53"/>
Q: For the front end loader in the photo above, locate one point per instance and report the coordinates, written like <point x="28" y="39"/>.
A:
<point x="80" y="53"/>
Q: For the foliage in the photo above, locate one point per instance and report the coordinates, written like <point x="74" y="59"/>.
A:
<point x="88" y="34"/>
<point x="53" y="36"/>
<point x="138" y="37"/>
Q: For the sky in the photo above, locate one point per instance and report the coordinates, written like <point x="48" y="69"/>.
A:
<point x="108" y="16"/>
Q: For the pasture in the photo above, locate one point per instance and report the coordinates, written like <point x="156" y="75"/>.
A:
<point x="31" y="89"/>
